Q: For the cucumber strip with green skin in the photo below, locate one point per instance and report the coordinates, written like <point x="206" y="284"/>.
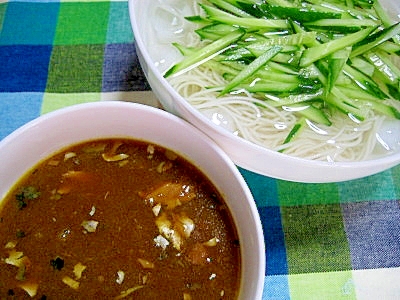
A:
<point x="310" y="72"/>
<point x="384" y="65"/>
<point x="251" y="52"/>
<point x="283" y="68"/>
<point x="198" y="20"/>
<point x="251" y="69"/>
<point x="310" y="112"/>
<point x="390" y="47"/>
<point x="276" y="82"/>
<point x="282" y="3"/>
<point x="341" y="8"/>
<point x="229" y="7"/>
<point x="239" y="53"/>
<point x="285" y="56"/>
<point x="340" y="25"/>
<point x="257" y="50"/>
<point x="366" y="4"/>
<point x="183" y="49"/>
<point x="222" y="28"/>
<point x="216" y="14"/>
<point x="315" y="53"/>
<point x="394" y="91"/>
<point x="237" y="66"/>
<point x="253" y="37"/>
<point x="363" y="81"/>
<point x="323" y="69"/>
<point x="350" y="3"/>
<point x="205" y="53"/>
<point x="300" y="14"/>
<point x="335" y="65"/>
<point x="254" y="9"/>
<point x="386" y="87"/>
<point x="235" y="2"/>
<point x="215" y="31"/>
<point x="383" y="108"/>
<point x="386" y="20"/>
<point x="296" y="39"/>
<point x="343" y="80"/>
<point x="292" y="99"/>
<point x="267" y="86"/>
<point x="360" y="63"/>
<point x="327" y="36"/>
<point x="266" y="73"/>
<point x="219" y="28"/>
<point x="217" y="61"/>
<point x="223" y="68"/>
<point x="356" y="93"/>
<point x="351" y="107"/>
<point x="296" y="27"/>
<point x="222" y="65"/>
<point x="288" y="58"/>
<point x="342" y="98"/>
<point x="294" y="131"/>
<point x="269" y="74"/>
<point x="207" y="35"/>
<point x="342" y="102"/>
<point x="375" y="39"/>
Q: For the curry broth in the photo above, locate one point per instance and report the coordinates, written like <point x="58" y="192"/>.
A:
<point x="117" y="219"/>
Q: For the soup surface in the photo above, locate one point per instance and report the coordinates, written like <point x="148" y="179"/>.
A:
<point x="117" y="219"/>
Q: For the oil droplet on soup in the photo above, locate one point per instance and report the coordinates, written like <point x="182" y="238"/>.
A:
<point x="117" y="219"/>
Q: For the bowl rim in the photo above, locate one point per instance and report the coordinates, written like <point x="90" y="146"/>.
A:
<point x="253" y="235"/>
<point x="332" y="171"/>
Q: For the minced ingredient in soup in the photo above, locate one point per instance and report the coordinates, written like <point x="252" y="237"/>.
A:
<point x="117" y="219"/>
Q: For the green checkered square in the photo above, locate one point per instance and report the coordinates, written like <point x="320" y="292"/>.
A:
<point x="3" y="7"/>
<point x="82" y="23"/>
<point x="396" y="179"/>
<point x="119" y="27"/>
<point x="294" y="193"/>
<point x="76" y="69"/>
<point x="25" y="23"/>
<point x="381" y="186"/>
<point x="53" y="101"/>
<point x="315" y="239"/>
<point x="327" y="286"/>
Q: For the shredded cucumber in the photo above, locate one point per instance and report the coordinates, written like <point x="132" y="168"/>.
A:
<point x="250" y="69"/>
<point x="314" y="56"/>
<point x="206" y="53"/>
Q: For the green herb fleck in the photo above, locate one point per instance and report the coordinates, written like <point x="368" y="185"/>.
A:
<point x="20" y="234"/>
<point x="57" y="263"/>
<point x="21" y="203"/>
<point x="26" y="193"/>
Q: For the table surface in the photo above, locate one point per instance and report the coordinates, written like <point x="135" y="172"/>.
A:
<point x="323" y="241"/>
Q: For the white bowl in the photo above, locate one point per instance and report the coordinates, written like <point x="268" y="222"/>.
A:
<point x="40" y="138"/>
<point x="244" y="153"/>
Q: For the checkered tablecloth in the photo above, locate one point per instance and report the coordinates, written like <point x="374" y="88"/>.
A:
<point x="323" y="241"/>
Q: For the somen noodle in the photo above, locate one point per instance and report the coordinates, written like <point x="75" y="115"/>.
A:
<point x="255" y="120"/>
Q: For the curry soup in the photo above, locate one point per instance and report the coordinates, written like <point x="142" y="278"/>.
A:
<point x="117" y="219"/>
